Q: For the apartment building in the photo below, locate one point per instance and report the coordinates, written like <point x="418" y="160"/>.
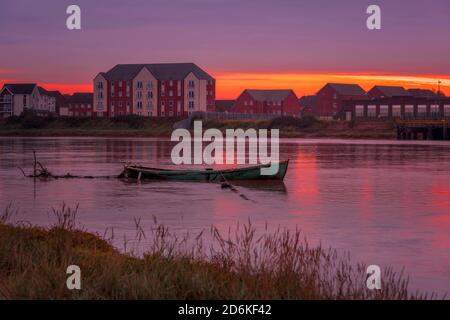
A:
<point x="47" y="102"/>
<point x="17" y="97"/>
<point x="153" y="90"/>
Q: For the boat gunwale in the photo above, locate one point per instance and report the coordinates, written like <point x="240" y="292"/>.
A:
<point x="205" y="171"/>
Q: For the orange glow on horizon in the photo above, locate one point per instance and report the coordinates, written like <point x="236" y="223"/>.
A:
<point x="65" y="88"/>
<point x="229" y="85"/>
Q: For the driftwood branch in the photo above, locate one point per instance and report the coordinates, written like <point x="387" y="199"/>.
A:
<point x="40" y="171"/>
<point x="23" y="172"/>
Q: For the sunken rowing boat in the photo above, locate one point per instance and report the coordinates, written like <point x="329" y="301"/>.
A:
<point x="207" y="175"/>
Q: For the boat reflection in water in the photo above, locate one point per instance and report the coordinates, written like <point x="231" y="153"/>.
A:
<point x="262" y="185"/>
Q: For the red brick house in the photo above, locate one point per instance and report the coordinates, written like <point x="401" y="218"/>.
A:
<point x="330" y="99"/>
<point x="277" y="102"/>
<point x="308" y="105"/>
<point x="387" y="92"/>
<point x="79" y="104"/>
<point x="224" y="105"/>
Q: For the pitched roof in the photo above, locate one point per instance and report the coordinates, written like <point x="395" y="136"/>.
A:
<point x="55" y="94"/>
<point x="43" y="91"/>
<point x="423" y="93"/>
<point x="347" y="89"/>
<point x="161" y="71"/>
<point x="20" y="88"/>
<point x="308" y="101"/>
<point x="80" y="97"/>
<point x="269" y="95"/>
<point x="392" y="91"/>
<point x="224" y="104"/>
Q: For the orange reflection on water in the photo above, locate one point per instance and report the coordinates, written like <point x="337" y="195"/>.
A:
<point x="305" y="172"/>
<point x="367" y="196"/>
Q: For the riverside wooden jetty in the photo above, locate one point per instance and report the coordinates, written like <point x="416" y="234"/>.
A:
<point x="423" y="129"/>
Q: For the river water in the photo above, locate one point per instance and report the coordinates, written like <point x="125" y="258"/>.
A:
<point x="384" y="202"/>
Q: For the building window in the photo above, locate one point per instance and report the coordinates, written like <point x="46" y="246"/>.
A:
<point x="384" y="111"/>
<point x="191" y="84"/>
<point x="191" y="94"/>
<point x="422" y="110"/>
<point x="191" y="105"/>
<point x="120" y="94"/>
<point x="409" y="111"/>
<point x="371" y="111"/>
<point x="396" y="111"/>
<point x="150" y="95"/>
<point x="149" y="85"/>
<point x="139" y="85"/>
<point x="434" y="110"/>
<point x="170" y="93"/>
<point x="359" y="111"/>
<point x="447" y="110"/>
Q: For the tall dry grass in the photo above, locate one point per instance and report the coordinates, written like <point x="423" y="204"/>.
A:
<point x="241" y="265"/>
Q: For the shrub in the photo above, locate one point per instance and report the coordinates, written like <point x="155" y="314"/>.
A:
<point x="242" y="265"/>
<point x="75" y="121"/>
<point x="299" y="123"/>
<point x="133" y="121"/>
<point x="13" y="120"/>
<point x="30" y="120"/>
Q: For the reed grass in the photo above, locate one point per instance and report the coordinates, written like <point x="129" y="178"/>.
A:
<point x="241" y="265"/>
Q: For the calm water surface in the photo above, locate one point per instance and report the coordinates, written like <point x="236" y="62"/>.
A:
<point x="387" y="203"/>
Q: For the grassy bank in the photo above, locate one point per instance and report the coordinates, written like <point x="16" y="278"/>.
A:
<point x="134" y="126"/>
<point x="279" y="265"/>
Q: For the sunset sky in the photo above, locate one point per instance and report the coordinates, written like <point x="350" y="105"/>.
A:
<point x="243" y="43"/>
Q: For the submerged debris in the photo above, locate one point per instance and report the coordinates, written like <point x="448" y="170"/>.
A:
<point x="41" y="172"/>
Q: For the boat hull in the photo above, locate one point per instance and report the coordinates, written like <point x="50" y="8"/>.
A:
<point x="248" y="173"/>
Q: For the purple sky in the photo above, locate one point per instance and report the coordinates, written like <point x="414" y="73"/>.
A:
<point x="250" y="36"/>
